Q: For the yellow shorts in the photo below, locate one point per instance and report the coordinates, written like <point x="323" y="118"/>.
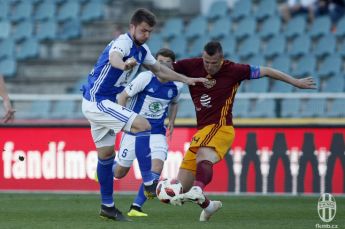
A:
<point x="214" y="136"/>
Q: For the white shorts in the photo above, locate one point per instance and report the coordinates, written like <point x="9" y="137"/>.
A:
<point x="106" y="119"/>
<point x="126" y="154"/>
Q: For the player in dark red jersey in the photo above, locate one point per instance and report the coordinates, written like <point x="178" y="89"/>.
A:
<point x="213" y="102"/>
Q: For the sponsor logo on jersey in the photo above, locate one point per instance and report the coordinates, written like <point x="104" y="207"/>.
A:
<point x="155" y="107"/>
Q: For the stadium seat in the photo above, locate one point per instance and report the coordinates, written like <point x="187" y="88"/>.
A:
<point x="314" y="108"/>
<point x="281" y="87"/>
<point x="290" y="108"/>
<point x="217" y="10"/>
<point x="325" y="46"/>
<point x="155" y="42"/>
<point x="45" y="11"/>
<point x="4" y="10"/>
<point x="241" y="9"/>
<point x="305" y="66"/>
<point x="263" y="108"/>
<point x="5" y="29"/>
<point x="172" y="28"/>
<point x="7" y="48"/>
<point x="221" y="28"/>
<point x="334" y="84"/>
<point x="270" y="27"/>
<point x="179" y="45"/>
<point x="256" y="59"/>
<point x="28" y="48"/>
<point x="341" y="50"/>
<point x="257" y="85"/>
<point x="8" y="66"/>
<point x="39" y="109"/>
<point x="46" y="30"/>
<point x="186" y="109"/>
<point x="21" y="11"/>
<point x="229" y="45"/>
<point x="321" y="26"/>
<point x="300" y="46"/>
<point x="245" y="28"/>
<point x="340" y="31"/>
<point x="266" y="9"/>
<point x="295" y="27"/>
<point x="23" y="30"/>
<point x="336" y="109"/>
<point x="197" y="47"/>
<point x="282" y="62"/>
<point x="249" y="47"/>
<point x="330" y="66"/>
<point x="69" y="29"/>
<point x="240" y="108"/>
<point x="63" y="109"/>
<point x="69" y="10"/>
<point x="196" y="27"/>
<point x="91" y="11"/>
<point x="275" y="46"/>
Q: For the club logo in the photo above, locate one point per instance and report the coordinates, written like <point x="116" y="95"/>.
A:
<point x="326" y="207"/>
<point x="155" y="107"/>
<point x="210" y="83"/>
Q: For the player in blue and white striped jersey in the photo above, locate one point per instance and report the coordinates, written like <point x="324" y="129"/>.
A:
<point x="152" y="98"/>
<point x="119" y="62"/>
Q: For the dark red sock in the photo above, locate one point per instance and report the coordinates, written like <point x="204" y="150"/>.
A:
<point x="205" y="203"/>
<point x="204" y="172"/>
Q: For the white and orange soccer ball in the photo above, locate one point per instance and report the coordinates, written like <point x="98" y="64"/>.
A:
<point x="167" y="189"/>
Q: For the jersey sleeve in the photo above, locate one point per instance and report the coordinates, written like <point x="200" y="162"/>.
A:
<point x="181" y="66"/>
<point x="179" y="86"/>
<point x="120" y="45"/>
<point x="138" y="84"/>
<point x="149" y="59"/>
<point x="241" y="71"/>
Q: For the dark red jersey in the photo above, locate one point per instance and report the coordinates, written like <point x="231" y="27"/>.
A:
<point x="213" y="100"/>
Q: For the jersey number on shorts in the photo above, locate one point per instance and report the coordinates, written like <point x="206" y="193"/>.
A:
<point x="124" y="153"/>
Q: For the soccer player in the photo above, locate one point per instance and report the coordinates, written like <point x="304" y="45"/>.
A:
<point x="213" y="103"/>
<point x="152" y="98"/>
<point x="117" y="64"/>
<point x="9" y="111"/>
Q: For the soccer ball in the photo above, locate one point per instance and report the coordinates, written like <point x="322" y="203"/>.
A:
<point x="167" y="189"/>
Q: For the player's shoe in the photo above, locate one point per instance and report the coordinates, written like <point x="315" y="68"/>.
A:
<point x="112" y="213"/>
<point x="136" y="211"/>
<point x="150" y="190"/>
<point x="206" y="214"/>
<point x="195" y="195"/>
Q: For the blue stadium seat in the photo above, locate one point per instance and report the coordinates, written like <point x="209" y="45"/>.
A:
<point x="155" y="42"/>
<point x="334" y="84"/>
<point x="7" y="48"/>
<point x="28" y="48"/>
<point x="63" y="110"/>
<point x="8" y="66"/>
<point x="281" y="87"/>
<point x="69" y="29"/>
<point x="314" y="108"/>
<point x="221" y="28"/>
<point x="45" y="10"/>
<point x="179" y="45"/>
<point x="258" y="85"/>
<point x="336" y="109"/>
<point x="92" y="10"/>
<point x="300" y="46"/>
<point x="305" y="66"/>
<point x="249" y="47"/>
<point x="321" y="26"/>
<point x="257" y="60"/>
<point x="240" y="108"/>
<point x="290" y="108"/>
<point x="196" y="27"/>
<point x="5" y="29"/>
<point x="270" y="27"/>
<point x="330" y="66"/>
<point x="229" y="45"/>
<point x="263" y="108"/>
<point x="282" y="63"/>
<point x="4" y="10"/>
<point x="22" y="11"/>
<point x="69" y="10"/>
<point x="275" y="46"/>
<point x="295" y="27"/>
<point x="186" y="109"/>
<point x="197" y="47"/>
<point x="172" y="28"/>
<point x="325" y="46"/>
<point x="341" y="50"/>
<point x="217" y="10"/>
<point x="40" y="109"/>
<point x="46" y="30"/>
<point x="245" y="28"/>
<point x="266" y="9"/>
<point x="340" y="32"/>
<point x="241" y="9"/>
<point x="23" y="30"/>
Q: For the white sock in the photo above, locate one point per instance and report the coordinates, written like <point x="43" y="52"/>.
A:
<point x="210" y="207"/>
<point x="109" y="205"/>
<point x="148" y="183"/>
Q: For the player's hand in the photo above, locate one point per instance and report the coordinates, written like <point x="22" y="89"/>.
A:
<point x="9" y="115"/>
<point x="306" y="83"/>
<point x="177" y="200"/>
<point x="193" y="81"/>
<point x="129" y="64"/>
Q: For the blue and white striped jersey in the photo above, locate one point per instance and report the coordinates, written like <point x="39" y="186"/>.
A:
<point x="151" y="98"/>
<point x="105" y="81"/>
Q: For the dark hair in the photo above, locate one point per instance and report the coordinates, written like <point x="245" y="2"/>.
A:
<point x="143" y="15"/>
<point x="166" y="53"/>
<point x="213" y="47"/>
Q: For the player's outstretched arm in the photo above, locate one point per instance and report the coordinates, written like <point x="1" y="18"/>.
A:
<point x="303" y="83"/>
<point x="166" y="73"/>
<point x="172" y="116"/>
<point x="117" y="62"/>
<point x="122" y="98"/>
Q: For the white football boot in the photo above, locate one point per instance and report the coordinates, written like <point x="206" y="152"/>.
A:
<point x="209" y="211"/>
<point x="193" y="195"/>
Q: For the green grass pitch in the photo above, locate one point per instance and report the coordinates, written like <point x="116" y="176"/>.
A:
<point x="37" y="210"/>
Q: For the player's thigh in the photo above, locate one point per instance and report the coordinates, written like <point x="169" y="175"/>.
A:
<point x="140" y="124"/>
<point x="126" y="154"/>
<point x="208" y="154"/>
<point x="186" y="178"/>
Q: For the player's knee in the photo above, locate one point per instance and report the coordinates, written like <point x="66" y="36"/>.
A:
<point x="120" y="172"/>
<point x="140" y="124"/>
<point x="145" y="125"/>
<point x="157" y="166"/>
<point x="105" y="152"/>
